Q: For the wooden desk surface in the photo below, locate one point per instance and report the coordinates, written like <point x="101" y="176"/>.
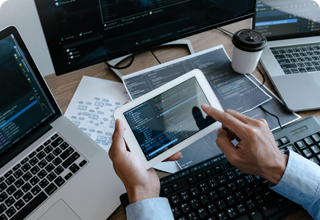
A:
<point x="63" y="87"/>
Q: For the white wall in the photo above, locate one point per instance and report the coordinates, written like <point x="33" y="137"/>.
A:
<point x="24" y="16"/>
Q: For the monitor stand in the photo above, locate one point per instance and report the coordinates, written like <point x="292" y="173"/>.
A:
<point x="120" y="59"/>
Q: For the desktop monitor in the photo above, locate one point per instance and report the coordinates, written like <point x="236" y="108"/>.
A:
<point x="81" y="33"/>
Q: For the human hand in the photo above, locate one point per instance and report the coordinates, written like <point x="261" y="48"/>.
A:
<point x="257" y="152"/>
<point x="140" y="183"/>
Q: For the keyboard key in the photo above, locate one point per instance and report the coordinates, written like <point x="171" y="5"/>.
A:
<point x="27" y="197"/>
<point x="57" y="151"/>
<point x="230" y="200"/>
<point x="219" y="169"/>
<point x="194" y="169"/>
<point x="311" y="69"/>
<point x="50" y="157"/>
<point x="9" y="201"/>
<point x="302" y="70"/>
<point x="51" y="176"/>
<point x="26" y="187"/>
<point x="308" y="141"/>
<point x="288" y="66"/>
<point x="74" y="168"/>
<point x="19" y="204"/>
<point x="11" y="189"/>
<point x="67" y="153"/>
<point x="47" y="142"/>
<point x="270" y="209"/>
<point x="163" y="181"/>
<point x="49" y="168"/>
<point x="185" y="195"/>
<point x="18" y="194"/>
<point x="255" y="215"/>
<point x="183" y="173"/>
<point x="16" y="167"/>
<point x="176" y="186"/>
<point x="27" y="176"/>
<point x="57" y="142"/>
<point x="222" y="216"/>
<point x="34" y="180"/>
<point x="2" y="208"/>
<point x="194" y="203"/>
<point x="54" y="137"/>
<point x="287" y="71"/>
<point x="40" y="148"/>
<point x="295" y="71"/>
<point x="231" y="212"/>
<point x="3" y="196"/>
<point x="48" y="149"/>
<point x="209" y="172"/>
<point x="206" y="164"/>
<point x="175" y="200"/>
<point x="10" y="180"/>
<point x="26" y="167"/>
<point x="58" y="170"/>
<point x="35" y="170"/>
<point x="17" y="174"/>
<point x="307" y="153"/>
<point x="35" y="190"/>
<point x="192" y="180"/>
<point x="32" y="154"/>
<point x="11" y="211"/>
<point x="315" y="149"/>
<point x="221" y="204"/>
<point x="314" y="160"/>
<point x="194" y="192"/>
<point x="57" y="161"/>
<point x="64" y="145"/>
<point x="316" y="137"/>
<point x="278" y="57"/>
<point x="284" y="61"/>
<point x="213" y="195"/>
<point x="239" y="196"/>
<point x="42" y="174"/>
<point x="51" y="189"/>
<point x="167" y="190"/>
<point x="202" y="213"/>
<point x="68" y="176"/>
<point x="300" y="145"/>
<point x="250" y="204"/>
<point x="215" y="160"/>
<point x="200" y="176"/>
<point x="185" y="208"/>
<point x="33" y="161"/>
<point x="3" y="186"/>
<point x="41" y="155"/>
<point x="241" y="209"/>
<point x="43" y="183"/>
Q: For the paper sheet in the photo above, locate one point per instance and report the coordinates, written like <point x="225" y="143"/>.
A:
<point x="92" y="107"/>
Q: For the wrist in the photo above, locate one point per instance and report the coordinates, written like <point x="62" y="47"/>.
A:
<point x="138" y="194"/>
<point x="275" y="173"/>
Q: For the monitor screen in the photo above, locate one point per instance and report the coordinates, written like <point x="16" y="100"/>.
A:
<point x="169" y="118"/>
<point x="80" y="33"/>
<point x="24" y="104"/>
<point x="287" y="18"/>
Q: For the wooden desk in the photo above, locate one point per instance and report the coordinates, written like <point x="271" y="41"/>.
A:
<point x="63" y="87"/>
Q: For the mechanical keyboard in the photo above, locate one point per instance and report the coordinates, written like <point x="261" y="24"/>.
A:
<point x="216" y="190"/>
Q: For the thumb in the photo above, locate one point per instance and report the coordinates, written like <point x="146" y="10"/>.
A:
<point x="118" y="144"/>
<point x="224" y="143"/>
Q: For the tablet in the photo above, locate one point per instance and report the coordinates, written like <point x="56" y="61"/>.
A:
<point x="169" y="118"/>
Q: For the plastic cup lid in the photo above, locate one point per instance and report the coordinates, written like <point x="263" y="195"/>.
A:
<point x="249" y="40"/>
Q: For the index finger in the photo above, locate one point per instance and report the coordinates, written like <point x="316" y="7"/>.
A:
<point x="226" y="119"/>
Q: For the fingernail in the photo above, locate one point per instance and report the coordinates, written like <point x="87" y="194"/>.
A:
<point x="204" y="106"/>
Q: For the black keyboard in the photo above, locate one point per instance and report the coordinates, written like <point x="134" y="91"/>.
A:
<point x="216" y="190"/>
<point x="37" y="176"/>
<point x="298" y="59"/>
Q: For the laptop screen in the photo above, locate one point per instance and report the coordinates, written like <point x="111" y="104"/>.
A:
<point x="24" y="105"/>
<point x="281" y="19"/>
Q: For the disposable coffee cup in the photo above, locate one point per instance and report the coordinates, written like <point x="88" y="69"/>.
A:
<point x="248" y="45"/>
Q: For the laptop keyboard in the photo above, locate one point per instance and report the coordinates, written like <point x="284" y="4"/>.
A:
<point x="298" y="59"/>
<point x="37" y="176"/>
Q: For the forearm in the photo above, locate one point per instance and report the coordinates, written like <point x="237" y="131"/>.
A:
<point x="155" y="209"/>
<point x="301" y="183"/>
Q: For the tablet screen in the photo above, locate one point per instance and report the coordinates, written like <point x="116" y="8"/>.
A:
<point x="169" y="118"/>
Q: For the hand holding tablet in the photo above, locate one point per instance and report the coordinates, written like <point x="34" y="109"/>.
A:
<point x="169" y="118"/>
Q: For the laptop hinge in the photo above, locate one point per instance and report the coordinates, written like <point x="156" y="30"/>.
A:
<point x="7" y="156"/>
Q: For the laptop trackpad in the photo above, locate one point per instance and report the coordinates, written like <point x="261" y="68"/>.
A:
<point x="60" y="211"/>
<point x="299" y="91"/>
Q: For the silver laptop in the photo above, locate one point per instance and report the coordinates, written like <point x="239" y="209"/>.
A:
<point x="292" y="56"/>
<point x="49" y="168"/>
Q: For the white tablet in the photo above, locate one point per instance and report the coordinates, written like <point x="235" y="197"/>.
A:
<point x="169" y="118"/>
